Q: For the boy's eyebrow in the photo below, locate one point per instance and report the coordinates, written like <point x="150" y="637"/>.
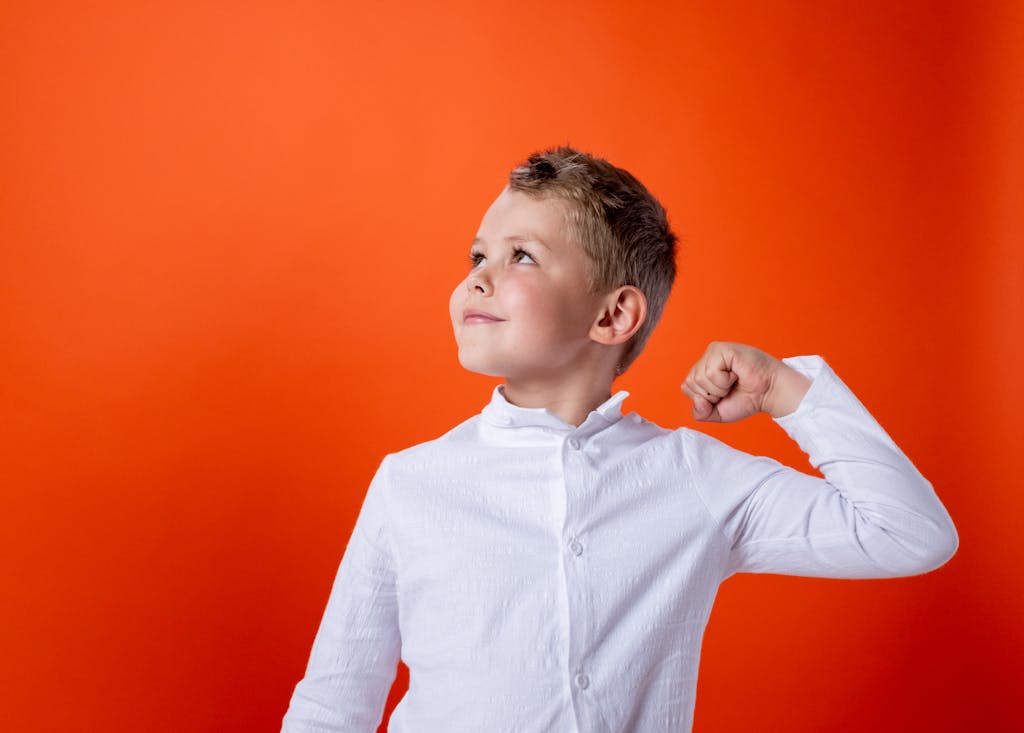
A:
<point x="518" y="239"/>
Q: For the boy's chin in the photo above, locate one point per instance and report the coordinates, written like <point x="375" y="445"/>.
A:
<point x="478" y="366"/>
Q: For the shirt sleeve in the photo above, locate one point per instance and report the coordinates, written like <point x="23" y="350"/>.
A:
<point x="355" y="653"/>
<point x="873" y="515"/>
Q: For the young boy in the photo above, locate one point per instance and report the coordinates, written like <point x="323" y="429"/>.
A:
<point x="550" y="564"/>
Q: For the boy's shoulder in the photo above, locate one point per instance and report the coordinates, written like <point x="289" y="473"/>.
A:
<point x="458" y="438"/>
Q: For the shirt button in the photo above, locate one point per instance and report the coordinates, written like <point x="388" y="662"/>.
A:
<point x="506" y="420"/>
<point x="582" y="681"/>
<point x="576" y="547"/>
<point x="574" y="444"/>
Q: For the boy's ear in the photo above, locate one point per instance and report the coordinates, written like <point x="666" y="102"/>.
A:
<point x="623" y="312"/>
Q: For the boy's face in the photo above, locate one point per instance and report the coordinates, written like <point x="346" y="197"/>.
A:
<point x="525" y="309"/>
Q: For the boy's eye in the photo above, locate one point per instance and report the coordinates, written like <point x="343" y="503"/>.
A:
<point x="523" y="257"/>
<point x="476" y="259"/>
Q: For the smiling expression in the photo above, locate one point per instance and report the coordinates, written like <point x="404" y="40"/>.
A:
<point x="524" y="310"/>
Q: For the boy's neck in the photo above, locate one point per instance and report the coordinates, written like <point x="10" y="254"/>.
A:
<point x="572" y="402"/>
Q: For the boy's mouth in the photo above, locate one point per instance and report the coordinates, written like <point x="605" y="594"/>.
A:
<point x="474" y="316"/>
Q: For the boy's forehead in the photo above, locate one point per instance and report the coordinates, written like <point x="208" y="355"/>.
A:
<point x="517" y="217"/>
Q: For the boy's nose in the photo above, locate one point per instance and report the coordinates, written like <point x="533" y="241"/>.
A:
<point x="477" y="282"/>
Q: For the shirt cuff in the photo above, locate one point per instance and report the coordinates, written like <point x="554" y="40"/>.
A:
<point x="814" y="368"/>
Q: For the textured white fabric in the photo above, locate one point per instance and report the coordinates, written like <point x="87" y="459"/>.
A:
<point x="535" y="576"/>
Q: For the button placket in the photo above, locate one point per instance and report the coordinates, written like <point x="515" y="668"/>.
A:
<point x="577" y="477"/>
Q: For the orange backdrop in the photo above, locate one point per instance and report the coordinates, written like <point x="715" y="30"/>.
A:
<point x="229" y="231"/>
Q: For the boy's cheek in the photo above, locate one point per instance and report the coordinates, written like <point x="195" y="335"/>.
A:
<point x="522" y="298"/>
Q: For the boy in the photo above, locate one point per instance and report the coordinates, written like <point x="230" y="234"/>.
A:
<point x="550" y="564"/>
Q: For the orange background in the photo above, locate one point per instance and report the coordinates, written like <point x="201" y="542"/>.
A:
<point x="229" y="232"/>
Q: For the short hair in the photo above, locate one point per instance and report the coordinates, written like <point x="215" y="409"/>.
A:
<point x="622" y="228"/>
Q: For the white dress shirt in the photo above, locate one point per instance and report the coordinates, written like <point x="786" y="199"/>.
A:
<point x="535" y="576"/>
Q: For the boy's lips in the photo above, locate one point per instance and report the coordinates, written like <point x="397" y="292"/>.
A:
<point x="475" y="316"/>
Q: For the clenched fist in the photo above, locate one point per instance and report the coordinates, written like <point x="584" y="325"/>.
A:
<point x="734" y="381"/>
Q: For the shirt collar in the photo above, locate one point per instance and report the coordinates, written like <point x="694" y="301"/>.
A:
<point x="502" y="413"/>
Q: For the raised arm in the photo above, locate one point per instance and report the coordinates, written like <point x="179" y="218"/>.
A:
<point x="873" y="514"/>
<point x="355" y="653"/>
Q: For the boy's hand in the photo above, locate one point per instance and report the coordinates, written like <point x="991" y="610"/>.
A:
<point x="734" y="381"/>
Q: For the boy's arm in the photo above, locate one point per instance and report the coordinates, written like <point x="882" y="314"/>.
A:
<point x="355" y="654"/>
<point x="873" y="515"/>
